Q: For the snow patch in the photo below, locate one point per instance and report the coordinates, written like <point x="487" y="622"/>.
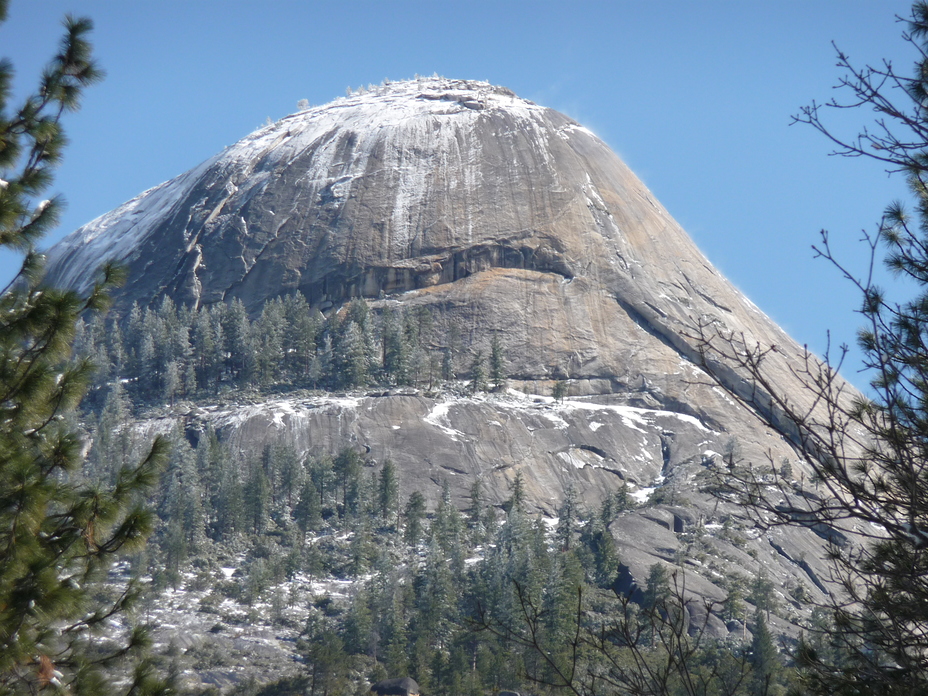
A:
<point x="280" y="411"/>
<point x="438" y="417"/>
<point x="559" y="422"/>
<point x="571" y="458"/>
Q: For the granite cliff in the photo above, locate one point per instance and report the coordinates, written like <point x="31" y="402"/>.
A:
<point x="503" y="218"/>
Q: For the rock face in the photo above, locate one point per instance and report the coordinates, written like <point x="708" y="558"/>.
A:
<point x="500" y="215"/>
<point x="503" y="217"/>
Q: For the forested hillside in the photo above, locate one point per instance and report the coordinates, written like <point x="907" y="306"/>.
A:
<point x="370" y="583"/>
<point x="327" y="550"/>
<point x="165" y="354"/>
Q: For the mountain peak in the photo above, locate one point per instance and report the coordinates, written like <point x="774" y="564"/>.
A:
<point x="476" y="93"/>
<point x="496" y="213"/>
<point x="500" y="224"/>
<point x="386" y="127"/>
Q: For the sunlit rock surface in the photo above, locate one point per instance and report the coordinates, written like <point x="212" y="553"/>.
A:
<point x="504" y="218"/>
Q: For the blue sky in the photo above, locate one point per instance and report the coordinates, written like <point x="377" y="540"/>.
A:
<point x="695" y="96"/>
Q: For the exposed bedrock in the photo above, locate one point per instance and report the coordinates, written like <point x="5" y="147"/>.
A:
<point x="504" y="218"/>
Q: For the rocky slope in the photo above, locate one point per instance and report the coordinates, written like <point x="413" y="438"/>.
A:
<point x="503" y="218"/>
<point x="597" y="445"/>
<point x="501" y="214"/>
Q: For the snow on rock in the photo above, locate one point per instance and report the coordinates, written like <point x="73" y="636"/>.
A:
<point x="392" y="126"/>
<point x="642" y="494"/>
<point x="438" y="417"/>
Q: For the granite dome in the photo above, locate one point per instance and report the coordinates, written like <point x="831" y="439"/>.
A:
<point x="416" y="186"/>
<point x="506" y="220"/>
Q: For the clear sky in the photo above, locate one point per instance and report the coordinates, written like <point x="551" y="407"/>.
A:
<point x="695" y="96"/>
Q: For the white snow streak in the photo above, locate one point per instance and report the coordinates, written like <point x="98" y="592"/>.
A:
<point x="632" y="417"/>
<point x="438" y="417"/>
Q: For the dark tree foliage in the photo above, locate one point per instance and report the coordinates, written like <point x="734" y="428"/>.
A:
<point x="478" y="373"/>
<point x="571" y="638"/>
<point x="413" y="514"/>
<point x="164" y="354"/>
<point x="58" y="536"/>
<point x="868" y="454"/>
<point x="388" y="493"/>
<point x="497" y="363"/>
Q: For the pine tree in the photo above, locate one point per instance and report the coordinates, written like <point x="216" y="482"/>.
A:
<point x="257" y="499"/>
<point x="289" y="478"/>
<point x="239" y="344"/>
<point x="300" y="338"/>
<point x="657" y="586"/>
<point x="181" y="509"/>
<point x="361" y="549"/>
<point x="148" y="369"/>
<point x="448" y="527"/>
<point x="765" y="662"/>
<point x="762" y="593"/>
<point x="601" y="549"/>
<point x="57" y="534"/>
<point x="350" y="358"/>
<point x="172" y="381"/>
<point x="476" y="513"/>
<point x="270" y="334"/>
<point x="656" y="602"/>
<point x="418" y="330"/>
<point x="388" y="494"/>
<point x="867" y="452"/>
<point x="347" y="468"/>
<point x="565" y="582"/>
<point x="324" y="654"/>
<point x="517" y="497"/>
<point x="133" y="340"/>
<point x="321" y="473"/>
<point x="450" y="352"/>
<point x="478" y="374"/>
<point x="497" y="363"/>
<point x="359" y="625"/>
<point x="308" y="510"/>
<point x="396" y="644"/>
<point x="112" y="443"/>
<point x="447" y="365"/>
<point x="395" y="348"/>
<point x="734" y="608"/>
<point x="414" y="513"/>
<point x="567" y="519"/>
<point x="436" y="606"/>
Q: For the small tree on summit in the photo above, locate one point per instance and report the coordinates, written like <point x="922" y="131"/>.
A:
<point x="57" y="534"/>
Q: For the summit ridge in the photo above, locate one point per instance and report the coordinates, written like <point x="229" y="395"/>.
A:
<point x="380" y="133"/>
